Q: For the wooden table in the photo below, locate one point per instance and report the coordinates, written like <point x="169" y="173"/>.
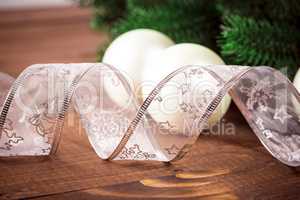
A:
<point x="218" y="167"/>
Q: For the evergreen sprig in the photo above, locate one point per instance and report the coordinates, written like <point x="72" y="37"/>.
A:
<point x="247" y="41"/>
<point x="183" y="21"/>
<point x="273" y="11"/>
<point x="252" y="32"/>
<point x="106" y="12"/>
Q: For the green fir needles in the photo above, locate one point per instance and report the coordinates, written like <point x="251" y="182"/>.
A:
<point x="251" y="32"/>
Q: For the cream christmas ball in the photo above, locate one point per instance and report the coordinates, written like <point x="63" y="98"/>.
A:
<point x="297" y="86"/>
<point x="297" y="80"/>
<point x="128" y="53"/>
<point x="165" y="63"/>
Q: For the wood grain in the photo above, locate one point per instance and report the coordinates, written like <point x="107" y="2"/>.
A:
<point x="218" y="167"/>
<point x="46" y="36"/>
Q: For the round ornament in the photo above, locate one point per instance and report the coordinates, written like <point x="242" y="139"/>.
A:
<point x="128" y="53"/>
<point x="168" y="61"/>
<point x="297" y="80"/>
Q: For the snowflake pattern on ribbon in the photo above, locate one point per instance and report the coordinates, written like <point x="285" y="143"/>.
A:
<point x="259" y="92"/>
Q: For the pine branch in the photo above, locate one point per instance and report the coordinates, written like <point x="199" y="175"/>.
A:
<point x="184" y="21"/>
<point x="247" y="41"/>
<point x="273" y="11"/>
<point x="106" y="12"/>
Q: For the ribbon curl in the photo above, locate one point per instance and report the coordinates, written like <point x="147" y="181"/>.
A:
<point x="34" y="105"/>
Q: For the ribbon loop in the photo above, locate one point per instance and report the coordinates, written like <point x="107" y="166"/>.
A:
<point x="163" y="127"/>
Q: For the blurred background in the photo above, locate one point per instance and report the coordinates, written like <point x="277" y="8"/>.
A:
<point x="17" y="4"/>
<point x="242" y="32"/>
<point x="45" y="31"/>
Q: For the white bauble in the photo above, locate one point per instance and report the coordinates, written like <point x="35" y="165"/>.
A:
<point x="168" y="61"/>
<point x="297" y="86"/>
<point x="297" y="80"/>
<point x="128" y="53"/>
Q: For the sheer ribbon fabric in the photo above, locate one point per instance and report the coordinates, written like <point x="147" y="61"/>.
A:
<point x="33" y="109"/>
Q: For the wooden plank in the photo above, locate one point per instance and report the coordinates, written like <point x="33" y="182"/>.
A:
<point x="76" y="167"/>
<point x="76" y="172"/>
<point x="46" y="36"/>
